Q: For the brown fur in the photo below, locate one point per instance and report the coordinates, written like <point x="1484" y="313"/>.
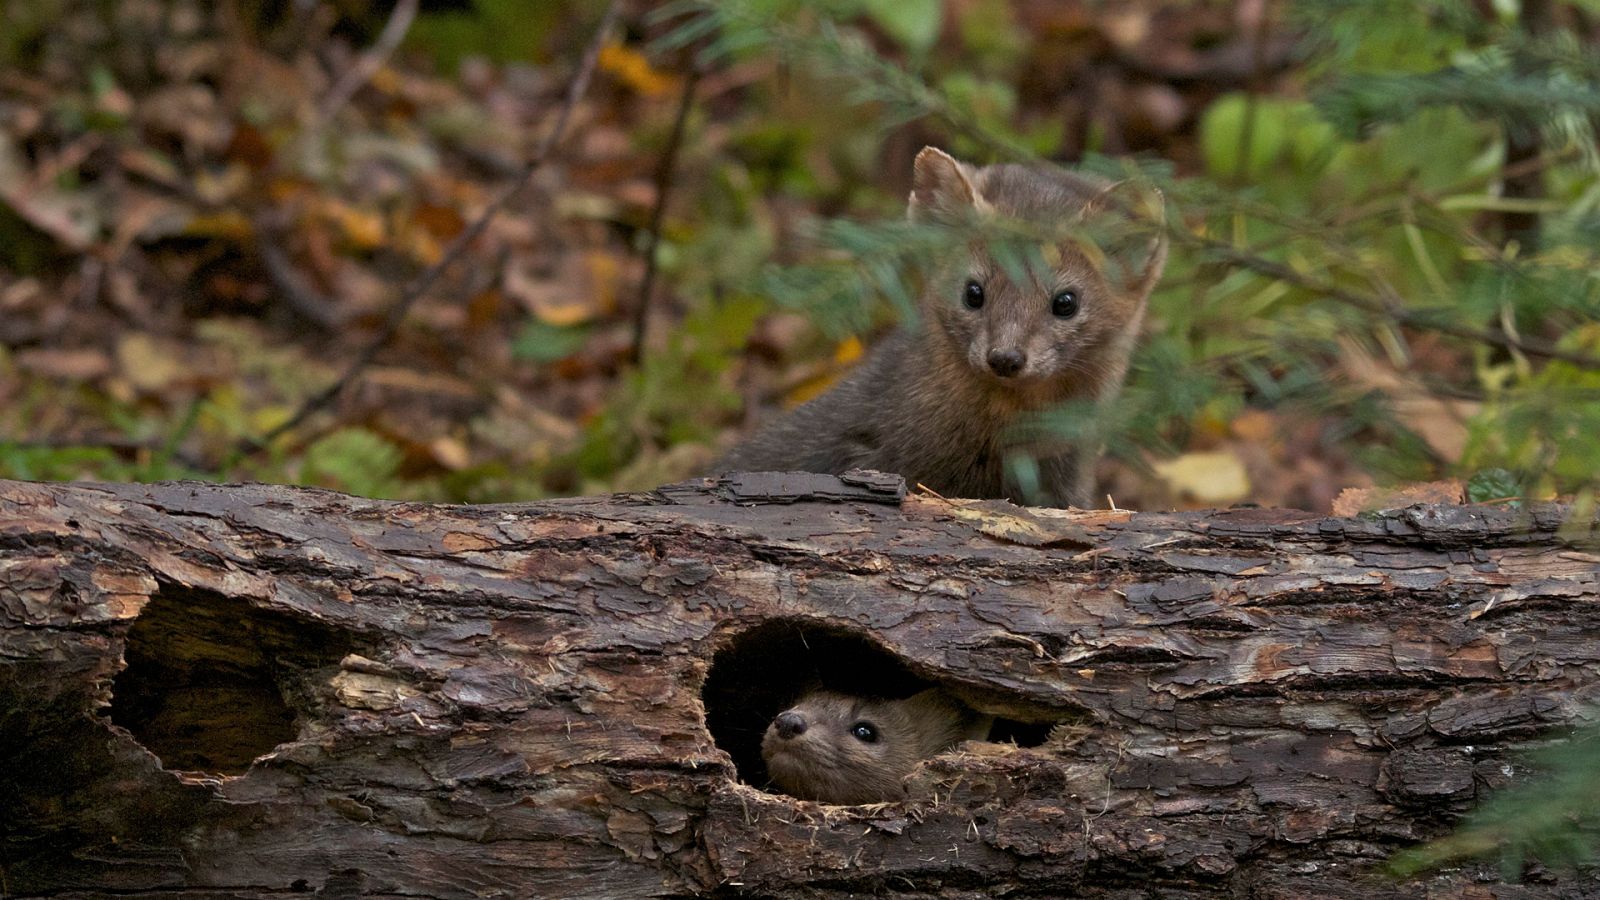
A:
<point x="926" y="404"/>
<point x="827" y="762"/>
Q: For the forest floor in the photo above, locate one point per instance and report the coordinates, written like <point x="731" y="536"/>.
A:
<point x="197" y="235"/>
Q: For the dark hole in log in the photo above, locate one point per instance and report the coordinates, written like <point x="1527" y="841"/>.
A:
<point x="211" y="683"/>
<point x="1023" y="734"/>
<point x="765" y="669"/>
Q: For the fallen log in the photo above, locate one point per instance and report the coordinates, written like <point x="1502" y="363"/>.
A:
<point x="252" y="690"/>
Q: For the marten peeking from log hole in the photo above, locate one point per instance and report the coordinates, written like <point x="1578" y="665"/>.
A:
<point x="210" y="682"/>
<point x="831" y="672"/>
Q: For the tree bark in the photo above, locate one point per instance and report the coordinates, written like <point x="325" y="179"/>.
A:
<point x="247" y="690"/>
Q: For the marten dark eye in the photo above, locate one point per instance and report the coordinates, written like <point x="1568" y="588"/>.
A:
<point x="865" y="732"/>
<point x="1064" y="304"/>
<point x="973" y="295"/>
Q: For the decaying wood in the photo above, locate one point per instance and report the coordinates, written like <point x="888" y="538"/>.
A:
<point x="328" y="694"/>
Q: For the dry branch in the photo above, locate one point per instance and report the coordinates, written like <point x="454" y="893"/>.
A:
<point x="664" y="183"/>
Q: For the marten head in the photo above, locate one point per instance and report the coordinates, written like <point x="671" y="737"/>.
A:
<point x="1036" y="314"/>
<point x="842" y="749"/>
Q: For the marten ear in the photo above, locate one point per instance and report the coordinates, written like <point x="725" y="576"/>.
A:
<point x="940" y="187"/>
<point x="1128" y="220"/>
<point x="938" y="705"/>
<point x="932" y="701"/>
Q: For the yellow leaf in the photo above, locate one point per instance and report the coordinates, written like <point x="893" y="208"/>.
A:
<point x="386" y="80"/>
<point x="583" y="288"/>
<point x="565" y="315"/>
<point x="844" y="356"/>
<point x="449" y="452"/>
<point x="632" y="69"/>
<point x="422" y="246"/>
<point x="364" y="230"/>
<point x="269" y="417"/>
<point x="228" y="224"/>
<point x="1256" y="426"/>
<point x="150" y="366"/>
<point x="809" y="389"/>
<point x="217" y="188"/>
<point x="605" y="277"/>
<point x="284" y="189"/>
<point x="1211" y="478"/>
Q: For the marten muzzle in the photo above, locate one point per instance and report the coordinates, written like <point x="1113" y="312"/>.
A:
<point x="1006" y="363"/>
<point x="789" y="724"/>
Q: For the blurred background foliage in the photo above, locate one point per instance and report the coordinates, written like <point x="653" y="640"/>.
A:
<point x="1385" y="217"/>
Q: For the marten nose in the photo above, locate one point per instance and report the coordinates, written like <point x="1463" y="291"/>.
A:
<point x="1006" y="363"/>
<point x="790" y="724"/>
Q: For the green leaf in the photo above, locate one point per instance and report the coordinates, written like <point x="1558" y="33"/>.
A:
<point x="353" y="460"/>
<point x="1492" y="484"/>
<point x="1241" y="139"/>
<point x="914" y="23"/>
<point x="56" y="463"/>
<point x="544" y="343"/>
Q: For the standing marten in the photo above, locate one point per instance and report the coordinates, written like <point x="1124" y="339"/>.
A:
<point x="938" y="402"/>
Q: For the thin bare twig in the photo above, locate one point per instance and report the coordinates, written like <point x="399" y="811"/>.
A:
<point x="1254" y="87"/>
<point x="394" y="31"/>
<point x="664" y="182"/>
<point x="1523" y="140"/>
<point x="422" y="283"/>
<point x="296" y="289"/>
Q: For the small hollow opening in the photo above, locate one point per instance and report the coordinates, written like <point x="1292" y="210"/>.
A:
<point x="764" y="670"/>
<point x="1023" y="734"/>
<point x="211" y="682"/>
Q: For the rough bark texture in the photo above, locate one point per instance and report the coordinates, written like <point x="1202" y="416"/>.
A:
<point x="251" y="691"/>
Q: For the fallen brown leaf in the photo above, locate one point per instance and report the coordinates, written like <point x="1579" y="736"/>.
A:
<point x="75" y="365"/>
<point x="1353" y="501"/>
